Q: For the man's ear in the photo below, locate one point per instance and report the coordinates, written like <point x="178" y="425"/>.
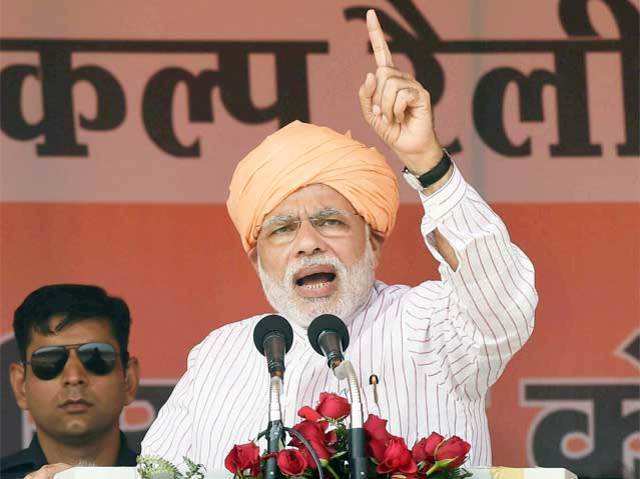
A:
<point x="131" y="379"/>
<point x="253" y="257"/>
<point x="377" y="240"/>
<point x="17" y="375"/>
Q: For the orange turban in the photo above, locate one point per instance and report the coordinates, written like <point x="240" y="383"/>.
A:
<point x="299" y="155"/>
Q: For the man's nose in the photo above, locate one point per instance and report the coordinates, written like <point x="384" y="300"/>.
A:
<point x="74" y="372"/>
<point x="308" y="240"/>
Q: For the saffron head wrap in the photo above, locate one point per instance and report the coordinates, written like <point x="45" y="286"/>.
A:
<point x="302" y="154"/>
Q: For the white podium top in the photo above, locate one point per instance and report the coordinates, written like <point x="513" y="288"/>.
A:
<point x="478" y="473"/>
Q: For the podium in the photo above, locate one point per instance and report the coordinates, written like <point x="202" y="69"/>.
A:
<point x="478" y="473"/>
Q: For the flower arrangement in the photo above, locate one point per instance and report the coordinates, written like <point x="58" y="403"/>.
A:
<point x="324" y="428"/>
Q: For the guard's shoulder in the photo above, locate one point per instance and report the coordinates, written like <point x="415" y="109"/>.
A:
<point x="20" y="462"/>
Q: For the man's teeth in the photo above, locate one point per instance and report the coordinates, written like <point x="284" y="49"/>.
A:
<point x="315" y="285"/>
<point x="316" y="279"/>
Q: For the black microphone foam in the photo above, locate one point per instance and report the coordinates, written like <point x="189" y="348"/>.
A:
<point x="326" y="323"/>
<point x="272" y="324"/>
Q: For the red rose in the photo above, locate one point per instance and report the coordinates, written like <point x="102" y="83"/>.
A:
<point x="333" y="406"/>
<point x="292" y="462"/>
<point x="376" y="429"/>
<point x="309" y="414"/>
<point x="425" y="449"/>
<point x="312" y="432"/>
<point x="309" y="458"/>
<point x="243" y="457"/>
<point x="321" y="441"/>
<point x="376" y="450"/>
<point x="453" y="448"/>
<point x="397" y="459"/>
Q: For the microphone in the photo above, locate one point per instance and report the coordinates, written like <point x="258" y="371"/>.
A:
<point x="329" y="337"/>
<point x="273" y="337"/>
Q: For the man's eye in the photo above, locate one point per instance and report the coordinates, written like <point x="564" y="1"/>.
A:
<point x="282" y="229"/>
<point x="330" y="222"/>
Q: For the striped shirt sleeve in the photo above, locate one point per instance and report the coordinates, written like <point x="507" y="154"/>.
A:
<point x="463" y="329"/>
<point x="169" y="436"/>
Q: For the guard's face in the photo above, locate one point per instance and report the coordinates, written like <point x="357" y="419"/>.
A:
<point x="311" y="249"/>
<point x="76" y="405"/>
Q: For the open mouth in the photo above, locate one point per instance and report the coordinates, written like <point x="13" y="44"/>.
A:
<point x="316" y="280"/>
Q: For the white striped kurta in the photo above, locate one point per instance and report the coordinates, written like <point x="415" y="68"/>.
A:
<point x="436" y="349"/>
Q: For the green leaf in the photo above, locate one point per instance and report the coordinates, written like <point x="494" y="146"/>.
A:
<point x="444" y="462"/>
<point x="148" y="466"/>
<point x="439" y="465"/>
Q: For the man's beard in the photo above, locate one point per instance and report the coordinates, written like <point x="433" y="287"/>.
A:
<point x="354" y="286"/>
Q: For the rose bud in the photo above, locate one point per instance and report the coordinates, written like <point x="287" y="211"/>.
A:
<point x="397" y="459"/>
<point x="376" y="450"/>
<point x="333" y="406"/>
<point x="292" y="462"/>
<point x="243" y="457"/>
<point x="376" y="429"/>
<point x="453" y="448"/>
<point x="320" y="440"/>
<point x="309" y="414"/>
<point x="425" y="449"/>
<point x="312" y="432"/>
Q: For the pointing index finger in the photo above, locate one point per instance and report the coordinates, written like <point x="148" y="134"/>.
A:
<point x="378" y="43"/>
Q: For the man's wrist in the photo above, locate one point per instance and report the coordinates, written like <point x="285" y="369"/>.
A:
<point x="430" y="181"/>
<point x="421" y="163"/>
<point x="431" y="189"/>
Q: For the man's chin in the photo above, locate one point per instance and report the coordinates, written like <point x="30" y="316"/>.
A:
<point x="308" y="309"/>
<point x="77" y="428"/>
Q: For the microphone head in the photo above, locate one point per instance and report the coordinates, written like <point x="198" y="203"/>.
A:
<point x="272" y="324"/>
<point x="323" y="323"/>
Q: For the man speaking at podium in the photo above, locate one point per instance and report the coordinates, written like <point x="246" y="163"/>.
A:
<point x="313" y="209"/>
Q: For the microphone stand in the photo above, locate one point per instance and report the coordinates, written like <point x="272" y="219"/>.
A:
<point x="358" y="459"/>
<point x="275" y="430"/>
<point x="305" y="443"/>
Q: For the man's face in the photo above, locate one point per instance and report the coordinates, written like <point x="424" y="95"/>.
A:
<point x="315" y="255"/>
<point x="76" y="405"/>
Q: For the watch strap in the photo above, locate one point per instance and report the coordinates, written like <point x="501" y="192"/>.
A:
<point x="435" y="173"/>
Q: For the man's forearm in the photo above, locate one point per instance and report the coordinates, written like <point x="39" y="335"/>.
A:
<point x="442" y="245"/>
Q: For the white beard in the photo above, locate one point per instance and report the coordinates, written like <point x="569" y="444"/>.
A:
<point x="354" y="287"/>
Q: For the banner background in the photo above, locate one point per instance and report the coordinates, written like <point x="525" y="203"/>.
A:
<point x="153" y="228"/>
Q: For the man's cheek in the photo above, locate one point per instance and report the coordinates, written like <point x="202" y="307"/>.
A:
<point x="112" y="394"/>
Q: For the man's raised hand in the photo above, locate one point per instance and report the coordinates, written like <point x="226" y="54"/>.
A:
<point x="398" y="107"/>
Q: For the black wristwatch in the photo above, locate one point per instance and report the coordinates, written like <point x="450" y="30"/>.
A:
<point x="430" y="177"/>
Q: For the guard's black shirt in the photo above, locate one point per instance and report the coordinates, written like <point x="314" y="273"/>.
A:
<point x="18" y="465"/>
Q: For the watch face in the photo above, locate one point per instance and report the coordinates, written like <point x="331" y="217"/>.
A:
<point x="412" y="180"/>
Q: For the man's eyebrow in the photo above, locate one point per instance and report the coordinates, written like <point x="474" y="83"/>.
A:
<point x="284" y="218"/>
<point x="330" y="212"/>
<point x="288" y="217"/>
